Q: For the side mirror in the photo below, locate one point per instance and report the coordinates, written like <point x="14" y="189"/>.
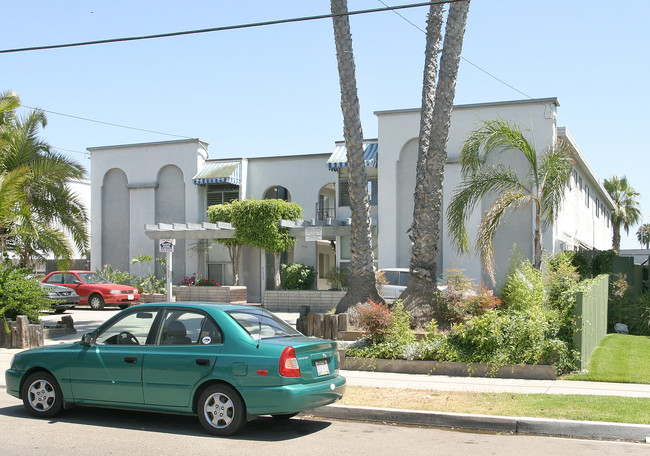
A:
<point x="87" y="340"/>
<point x="76" y="282"/>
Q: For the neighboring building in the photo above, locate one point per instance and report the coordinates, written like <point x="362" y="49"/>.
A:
<point x="168" y="186"/>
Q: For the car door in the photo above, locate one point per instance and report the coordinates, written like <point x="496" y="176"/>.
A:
<point x="71" y="280"/>
<point x="184" y="352"/>
<point x="110" y="370"/>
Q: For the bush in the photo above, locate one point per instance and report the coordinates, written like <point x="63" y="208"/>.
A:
<point x="297" y="276"/>
<point x="115" y="275"/>
<point x="20" y="295"/>
<point x="376" y="320"/>
<point x="459" y="300"/>
<point x="524" y="288"/>
<point x="337" y="278"/>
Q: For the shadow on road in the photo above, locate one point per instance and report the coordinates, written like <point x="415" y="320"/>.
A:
<point x="261" y="429"/>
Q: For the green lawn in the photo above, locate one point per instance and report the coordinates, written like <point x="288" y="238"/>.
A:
<point x="619" y="358"/>
<point x="556" y="406"/>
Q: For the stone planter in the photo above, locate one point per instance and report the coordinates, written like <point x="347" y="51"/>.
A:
<point x="209" y="294"/>
<point x="153" y="297"/>
<point x="402" y="366"/>
<point x="292" y="300"/>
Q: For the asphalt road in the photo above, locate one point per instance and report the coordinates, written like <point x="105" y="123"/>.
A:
<point x="83" y="431"/>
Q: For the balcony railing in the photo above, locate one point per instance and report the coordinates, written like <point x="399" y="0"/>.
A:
<point x="323" y="213"/>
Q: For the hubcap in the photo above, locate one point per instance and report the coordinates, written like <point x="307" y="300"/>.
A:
<point x="41" y="395"/>
<point x="219" y="410"/>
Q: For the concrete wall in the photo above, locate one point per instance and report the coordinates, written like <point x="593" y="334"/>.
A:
<point x="132" y="185"/>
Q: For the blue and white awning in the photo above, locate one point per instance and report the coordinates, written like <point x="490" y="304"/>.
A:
<point x="219" y="172"/>
<point x="339" y="158"/>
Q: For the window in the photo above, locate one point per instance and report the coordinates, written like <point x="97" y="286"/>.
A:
<point x="222" y="193"/>
<point x="182" y="327"/>
<point x="132" y="329"/>
<point x="373" y="191"/>
<point x="587" y="196"/>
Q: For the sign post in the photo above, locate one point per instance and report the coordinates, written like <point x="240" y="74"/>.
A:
<point x="167" y="246"/>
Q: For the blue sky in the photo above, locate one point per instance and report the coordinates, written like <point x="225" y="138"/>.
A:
<point x="274" y="90"/>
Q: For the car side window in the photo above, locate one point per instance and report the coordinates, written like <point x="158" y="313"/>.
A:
<point x="181" y="327"/>
<point x="69" y="278"/>
<point x="55" y="278"/>
<point x="132" y="329"/>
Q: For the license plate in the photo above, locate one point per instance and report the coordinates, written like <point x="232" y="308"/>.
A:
<point x="130" y="297"/>
<point x="322" y="368"/>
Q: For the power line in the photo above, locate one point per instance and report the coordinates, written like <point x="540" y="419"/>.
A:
<point x="224" y="28"/>
<point x="108" y="123"/>
<point x="463" y="58"/>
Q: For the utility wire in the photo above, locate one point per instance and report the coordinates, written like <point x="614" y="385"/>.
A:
<point x="466" y="60"/>
<point x="224" y="28"/>
<point x="107" y="123"/>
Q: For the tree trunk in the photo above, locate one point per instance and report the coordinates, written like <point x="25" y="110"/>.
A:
<point x="538" y="238"/>
<point x="276" y="271"/>
<point x="362" y="281"/>
<point x="616" y="239"/>
<point x="420" y="294"/>
<point x="235" y="252"/>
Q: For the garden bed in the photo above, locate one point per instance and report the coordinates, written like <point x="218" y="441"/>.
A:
<point x="453" y="369"/>
<point x="210" y="294"/>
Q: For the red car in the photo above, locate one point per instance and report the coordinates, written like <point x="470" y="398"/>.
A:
<point x="93" y="289"/>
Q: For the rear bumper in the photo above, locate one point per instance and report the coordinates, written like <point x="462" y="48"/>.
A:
<point x="293" y="398"/>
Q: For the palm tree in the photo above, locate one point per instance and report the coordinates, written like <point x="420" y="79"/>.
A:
<point x="643" y="235"/>
<point x="626" y="207"/>
<point x="435" y="118"/>
<point x="362" y="284"/>
<point x="542" y="187"/>
<point x="50" y="212"/>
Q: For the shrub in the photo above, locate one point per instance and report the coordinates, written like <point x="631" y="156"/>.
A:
<point x="115" y="275"/>
<point x="376" y="320"/>
<point x="20" y="295"/>
<point x="460" y="301"/>
<point x="297" y="276"/>
<point x="337" y="278"/>
<point x="523" y="288"/>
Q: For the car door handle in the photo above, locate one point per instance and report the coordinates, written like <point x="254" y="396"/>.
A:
<point x="203" y="361"/>
<point x="131" y="359"/>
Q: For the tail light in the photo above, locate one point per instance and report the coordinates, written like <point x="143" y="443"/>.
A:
<point x="289" y="363"/>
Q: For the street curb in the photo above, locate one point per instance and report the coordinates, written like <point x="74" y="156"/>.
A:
<point x="519" y="425"/>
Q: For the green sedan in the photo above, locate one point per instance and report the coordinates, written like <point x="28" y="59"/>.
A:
<point x="225" y="363"/>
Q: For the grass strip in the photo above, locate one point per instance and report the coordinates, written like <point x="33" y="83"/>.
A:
<point x="620" y="359"/>
<point x="556" y="406"/>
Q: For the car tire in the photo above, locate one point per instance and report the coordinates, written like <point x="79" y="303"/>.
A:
<point x="96" y="302"/>
<point x="221" y="410"/>
<point x="42" y="396"/>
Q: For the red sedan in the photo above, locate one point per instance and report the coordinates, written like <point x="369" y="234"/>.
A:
<point x="93" y="289"/>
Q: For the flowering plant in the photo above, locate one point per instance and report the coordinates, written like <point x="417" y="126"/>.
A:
<point x="198" y="281"/>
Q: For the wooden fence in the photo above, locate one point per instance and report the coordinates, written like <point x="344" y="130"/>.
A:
<point x="22" y="334"/>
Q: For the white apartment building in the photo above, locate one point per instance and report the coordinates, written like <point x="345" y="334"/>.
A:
<point x="144" y="192"/>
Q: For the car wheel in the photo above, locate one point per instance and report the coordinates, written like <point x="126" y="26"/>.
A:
<point x="284" y="416"/>
<point x="221" y="410"/>
<point x="96" y="302"/>
<point x="42" y="396"/>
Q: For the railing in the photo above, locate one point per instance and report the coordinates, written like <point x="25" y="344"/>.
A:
<point x="323" y="213"/>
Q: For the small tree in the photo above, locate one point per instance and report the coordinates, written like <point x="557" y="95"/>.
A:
<point x="223" y="213"/>
<point x="257" y="223"/>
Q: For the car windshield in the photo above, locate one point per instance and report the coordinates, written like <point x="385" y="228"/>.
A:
<point x="92" y="277"/>
<point x="262" y="324"/>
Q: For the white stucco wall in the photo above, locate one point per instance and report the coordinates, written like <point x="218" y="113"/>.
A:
<point x="141" y="163"/>
<point x="398" y="133"/>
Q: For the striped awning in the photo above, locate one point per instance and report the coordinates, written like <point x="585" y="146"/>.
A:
<point x="219" y="172"/>
<point x="339" y="158"/>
